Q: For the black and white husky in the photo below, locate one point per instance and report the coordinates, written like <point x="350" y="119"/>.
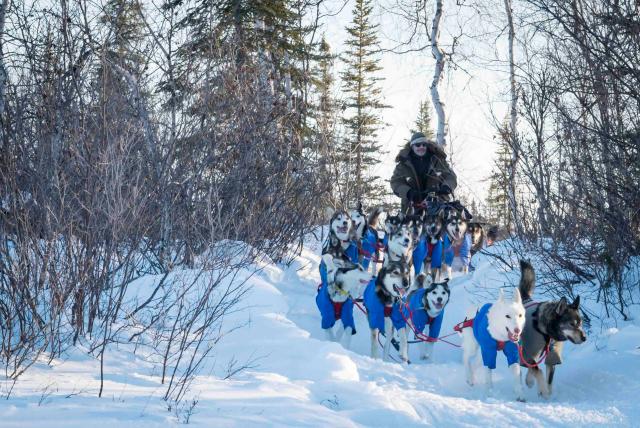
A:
<point x="495" y="327"/>
<point x="365" y="233"/>
<point x="427" y="301"/>
<point x="456" y="219"/>
<point x="383" y="300"/>
<point x="432" y="230"/>
<point x="549" y="325"/>
<point x="402" y="237"/>
<point x="340" y="235"/>
<point x="346" y="281"/>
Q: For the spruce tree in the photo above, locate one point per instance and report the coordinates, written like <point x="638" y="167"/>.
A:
<point x="324" y="112"/>
<point x="498" y="197"/>
<point x="423" y="121"/>
<point x="360" y="149"/>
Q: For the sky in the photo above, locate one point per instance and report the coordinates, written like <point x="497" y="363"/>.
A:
<point x="472" y="94"/>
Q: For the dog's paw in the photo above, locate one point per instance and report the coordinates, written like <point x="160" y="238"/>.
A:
<point x="470" y="382"/>
<point x="521" y="399"/>
<point x="425" y="357"/>
<point x="544" y="394"/>
<point x="530" y="379"/>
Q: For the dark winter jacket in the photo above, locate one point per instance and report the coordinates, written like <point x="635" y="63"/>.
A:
<point x="422" y="176"/>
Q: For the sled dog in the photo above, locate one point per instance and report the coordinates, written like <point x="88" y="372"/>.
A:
<point x="383" y="299"/>
<point x="340" y="235"/>
<point x="432" y="230"/>
<point x="399" y="243"/>
<point x="548" y="326"/>
<point x="426" y="305"/>
<point x="476" y="231"/>
<point x="494" y="327"/>
<point x="456" y="222"/>
<point x="335" y="300"/>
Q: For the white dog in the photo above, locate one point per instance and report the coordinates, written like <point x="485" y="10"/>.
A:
<point x="495" y="327"/>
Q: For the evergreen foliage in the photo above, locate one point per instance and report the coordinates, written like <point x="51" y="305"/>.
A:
<point x="423" y="121"/>
<point x="360" y="150"/>
<point x="498" y="209"/>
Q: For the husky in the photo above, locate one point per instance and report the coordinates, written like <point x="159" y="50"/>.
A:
<point x="476" y="231"/>
<point x="383" y="300"/>
<point x="456" y="221"/>
<point x="432" y="230"/>
<point x="365" y="234"/>
<point x="549" y="325"/>
<point x="340" y="237"/>
<point x="491" y="328"/>
<point x="399" y="243"/>
<point x="335" y="298"/>
<point x="426" y="303"/>
<point x="393" y="223"/>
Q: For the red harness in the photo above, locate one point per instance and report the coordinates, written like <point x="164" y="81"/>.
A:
<point x="337" y="308"/>
<point x="464" y="324"/>
<point x="387" y="311"/>
<point x="469" y="323"/>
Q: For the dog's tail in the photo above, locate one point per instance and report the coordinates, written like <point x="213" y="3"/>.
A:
<point x="374" y="215"/>
<point x="527" y="280"/>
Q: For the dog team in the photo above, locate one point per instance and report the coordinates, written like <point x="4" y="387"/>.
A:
<point x="395" y="303"/>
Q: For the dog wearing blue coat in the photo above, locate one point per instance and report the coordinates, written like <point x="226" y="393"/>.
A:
<point x="425" y="306"/>
<point x="383" y="299"/>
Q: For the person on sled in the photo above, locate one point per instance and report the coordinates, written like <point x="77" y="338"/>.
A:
<point x="423" y="179"/>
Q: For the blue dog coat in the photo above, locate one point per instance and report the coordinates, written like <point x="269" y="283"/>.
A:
<point x="488" y="345"/>
<point x="419" y="315"/>
<point x="328" y="310"/>
<point x="375" y="309"/>
<point x="425" y="248"/>
<point x="326" y="305"/>
<point x="368" y="246"/>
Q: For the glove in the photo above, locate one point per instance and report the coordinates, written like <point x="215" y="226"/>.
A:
<point x="414" y="195"/>
<point x="444" y="190"/>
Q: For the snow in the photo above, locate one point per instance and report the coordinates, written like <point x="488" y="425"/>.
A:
<point x="296" y="378"/>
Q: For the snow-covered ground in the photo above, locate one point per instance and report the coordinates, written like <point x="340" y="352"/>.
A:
<point x="296" y="378"/>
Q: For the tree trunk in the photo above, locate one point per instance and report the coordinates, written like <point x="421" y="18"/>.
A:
<point x="438" y="54"/>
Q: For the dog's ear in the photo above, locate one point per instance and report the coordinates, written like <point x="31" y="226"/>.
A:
<point x="517" y="298"/>
<point x="576" y="303"/>
<point x="359" y="208"/>
<point x="466" y="215"/>
<point x="500" y="296"/>
<point x="561" y="306"/>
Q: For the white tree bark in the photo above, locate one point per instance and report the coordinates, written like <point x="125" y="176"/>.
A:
<point x="438" y="54"/>
<point x="513" y="133"/>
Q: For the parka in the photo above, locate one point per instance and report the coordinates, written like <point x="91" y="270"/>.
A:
<point x="405" y="177"/>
